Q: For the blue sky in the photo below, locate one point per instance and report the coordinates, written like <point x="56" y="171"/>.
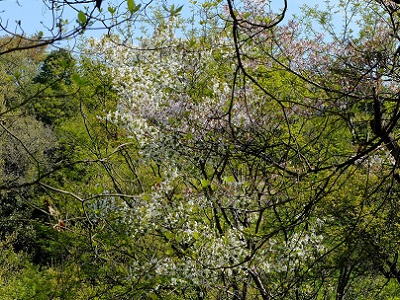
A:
<point x="34" y="16"/>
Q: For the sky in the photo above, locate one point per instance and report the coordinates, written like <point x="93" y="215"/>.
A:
<point x="33" y="16"/>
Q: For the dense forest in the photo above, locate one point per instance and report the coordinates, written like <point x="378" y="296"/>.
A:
<point x="236" y="153"/>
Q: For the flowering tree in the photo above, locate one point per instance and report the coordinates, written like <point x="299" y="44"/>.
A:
<point x="273" y="153"/>
<point x="251" y="157"/>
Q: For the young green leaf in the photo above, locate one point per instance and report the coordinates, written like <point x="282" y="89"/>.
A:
<point x="205" y="183"/>
<point x="229" y="179"/>
<point x="169" y="235"/>
<point x="81" y="17"/>
<point x="131" y="6"/>
<point x="79" y="81"/>
<point x="178" y="10"/>
<point x="112" y="10"/>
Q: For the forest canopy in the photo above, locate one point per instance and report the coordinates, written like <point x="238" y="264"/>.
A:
<point x="241" y="153"/>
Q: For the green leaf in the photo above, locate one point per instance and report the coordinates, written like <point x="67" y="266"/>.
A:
<point x="112" y="10"/>
<point x="131" y="6"/>
<point x="174" y="12"/>
<point x="137" y="7"/>
<point x="169" y="252"/>
<point x="146" y="197"/>
<point x="168" y="235"/>
<point x="81" y="17"/>
<point x="166" y="8"/>
<point x="78" y="80"/>
<point x="229" y="179"/>
<point x="205" y="183"/>
<point x="17" y="74"/>
<point x="178" y="10"/>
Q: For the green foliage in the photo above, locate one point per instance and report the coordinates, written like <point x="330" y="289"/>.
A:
<point x="59" y="81"/>
<point x="132" y="7"/>
<point x="247" y="161"/>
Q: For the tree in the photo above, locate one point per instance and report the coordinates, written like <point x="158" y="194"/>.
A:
<point x="272" y="183"/>
<point x="247" y="158"/>
<point x="58" y="100"/>
<point x="208" y="207"/>
<point x="66" y="20"/>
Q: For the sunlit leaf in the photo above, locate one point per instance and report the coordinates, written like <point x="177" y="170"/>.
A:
<point x="131" y="6"/>
<point x="81" y="17"/>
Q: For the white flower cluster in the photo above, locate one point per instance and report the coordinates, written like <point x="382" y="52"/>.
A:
<point x="167" y="88"/>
